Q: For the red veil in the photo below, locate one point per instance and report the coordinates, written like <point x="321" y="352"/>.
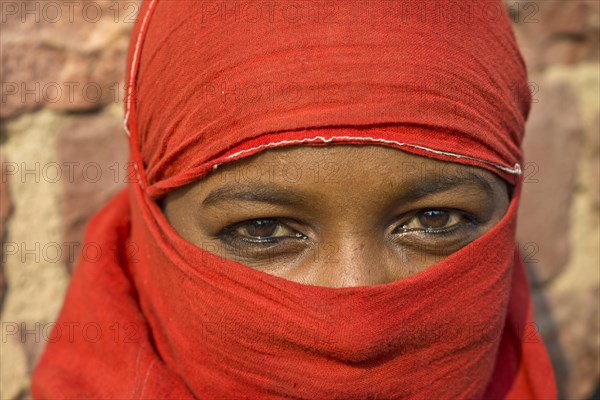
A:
<point x="211" y="82"/>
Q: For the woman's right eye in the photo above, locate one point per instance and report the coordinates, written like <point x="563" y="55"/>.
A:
<point x="261" y="231"/>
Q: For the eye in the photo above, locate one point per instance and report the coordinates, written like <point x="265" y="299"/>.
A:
<point x="434" y="221"/>
<point x="261" y="231"/>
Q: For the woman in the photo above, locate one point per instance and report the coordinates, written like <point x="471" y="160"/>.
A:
<point x="324" y="206"/>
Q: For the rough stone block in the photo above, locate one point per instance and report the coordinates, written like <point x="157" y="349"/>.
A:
<point x="551" y="148"/>
<point x="95" y="149"/>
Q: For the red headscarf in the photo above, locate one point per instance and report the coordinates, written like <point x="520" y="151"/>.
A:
<point x="211" y="82"/>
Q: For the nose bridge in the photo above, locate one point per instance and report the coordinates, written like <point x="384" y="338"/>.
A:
<point x="353" y="258"/>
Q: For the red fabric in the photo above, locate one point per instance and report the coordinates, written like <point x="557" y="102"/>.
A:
<point x="176" y="321"/>
<point x="371" y="67"/>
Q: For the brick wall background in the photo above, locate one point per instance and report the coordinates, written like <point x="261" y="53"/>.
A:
<point x="63" y="152"/>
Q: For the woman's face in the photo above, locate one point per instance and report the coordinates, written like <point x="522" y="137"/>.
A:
<point x="337" y="216"/>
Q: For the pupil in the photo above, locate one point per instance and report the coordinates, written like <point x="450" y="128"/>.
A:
<point x="261" y="228"/>
<point x="434" y="218"/>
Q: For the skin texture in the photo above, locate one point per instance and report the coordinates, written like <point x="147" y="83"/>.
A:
<point x="337" y="216"/>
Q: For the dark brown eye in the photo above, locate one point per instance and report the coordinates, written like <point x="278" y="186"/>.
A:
<point x="263" y="230"/>
<point x="260" y="228"/>
<point x="434" y="219"/>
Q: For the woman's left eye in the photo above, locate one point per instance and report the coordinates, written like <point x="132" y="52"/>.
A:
<point x="433" y="221"/>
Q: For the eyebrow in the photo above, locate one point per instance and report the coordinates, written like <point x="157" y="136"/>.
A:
<point x="262" y="193"/>
<point x="257" y="193"/>
<point x="429" y="187"/>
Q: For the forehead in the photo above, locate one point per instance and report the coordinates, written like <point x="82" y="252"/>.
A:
<point x="365" y="164"/>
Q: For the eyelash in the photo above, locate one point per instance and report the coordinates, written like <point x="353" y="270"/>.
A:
<point x="466" y="220"/>
<point x="228" y="233"/>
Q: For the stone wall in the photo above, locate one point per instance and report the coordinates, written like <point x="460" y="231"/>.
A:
<point x="63" y="149"/>
<point x="559" y="215"/>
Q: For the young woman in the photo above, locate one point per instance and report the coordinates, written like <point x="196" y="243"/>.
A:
<point x="323" y="207"/>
